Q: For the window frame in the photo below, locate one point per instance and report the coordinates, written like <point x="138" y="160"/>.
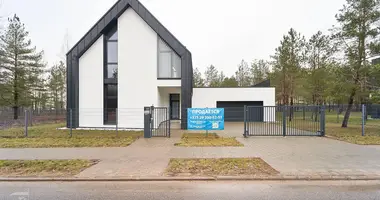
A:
<point x="107" y="80"/>
<point x="172" y="57"/>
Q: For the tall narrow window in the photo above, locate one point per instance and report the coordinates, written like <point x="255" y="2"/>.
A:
<point x="110" y="76"/>
<point x="169" y="62"/>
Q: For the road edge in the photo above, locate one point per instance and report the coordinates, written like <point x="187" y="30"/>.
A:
<point x="205" y="178"/>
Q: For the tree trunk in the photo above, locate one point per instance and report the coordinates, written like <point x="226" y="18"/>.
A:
<point x="349" y="108"/>
<point x="15" y="98"/>
<point x="15" y="112"/>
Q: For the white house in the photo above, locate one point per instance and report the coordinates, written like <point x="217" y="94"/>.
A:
<point x="129" y="60"/>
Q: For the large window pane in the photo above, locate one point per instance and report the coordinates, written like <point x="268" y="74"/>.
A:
<point x="164" y="65"/>
<point x="110" y="78"/>
<point x="169" y="63"/>
<point x="176" y="66"/>
<point x="112" y="52"/>
<point x="110" y="104"/>
<point x="111" y="71"/>
<point x="111" y="91"/>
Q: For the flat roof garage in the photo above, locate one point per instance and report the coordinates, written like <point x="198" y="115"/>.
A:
<point x="234" y="110"/>
<point x="233" y="101"/>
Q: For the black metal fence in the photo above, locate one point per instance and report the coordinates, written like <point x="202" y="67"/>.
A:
<point x="284" y="121"/>
<point x="54" y="123"/>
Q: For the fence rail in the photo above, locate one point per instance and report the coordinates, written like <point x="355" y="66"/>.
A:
<point x="284" y="121"/>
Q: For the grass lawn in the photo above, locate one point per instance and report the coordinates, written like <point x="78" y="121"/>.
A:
<point x="211" y="140"/>
<point x="43" y="168"/>
<point x="352" y="133"/>
<point x="49" y="136"/>
<point x="219" y="167"/>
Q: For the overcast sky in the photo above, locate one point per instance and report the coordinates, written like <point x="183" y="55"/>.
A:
<point x="218" y="32"/>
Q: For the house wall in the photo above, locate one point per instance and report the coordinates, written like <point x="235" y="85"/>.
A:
<point x="164" y="95"/>
<point x="90" y="77"/>
<point x="101" y="26"/>
<point x="137" y="70"/>
<point x="207" y="97"/>
<point x="164" y="99"/>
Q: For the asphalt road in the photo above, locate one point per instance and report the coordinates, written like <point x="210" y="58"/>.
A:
<point x="190" y="190"/>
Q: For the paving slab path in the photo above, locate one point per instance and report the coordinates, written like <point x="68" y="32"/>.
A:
<point x="288" y="155"/>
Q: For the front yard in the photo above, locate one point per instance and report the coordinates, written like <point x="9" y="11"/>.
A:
<point x="43" y="168"/>
<point x="49" y="136"/>
<point x="352" y="133"/>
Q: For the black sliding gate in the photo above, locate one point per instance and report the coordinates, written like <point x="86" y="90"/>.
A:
<point x="284" y="121"/>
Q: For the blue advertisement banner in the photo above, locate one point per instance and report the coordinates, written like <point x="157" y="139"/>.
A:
<point x="205" y="119"/>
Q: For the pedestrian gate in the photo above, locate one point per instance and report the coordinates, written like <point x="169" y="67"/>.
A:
<point x="159" y="122"/>
<point x="284" y="121"/>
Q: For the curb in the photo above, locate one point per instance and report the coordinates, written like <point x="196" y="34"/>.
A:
<point x="217" y="178"/>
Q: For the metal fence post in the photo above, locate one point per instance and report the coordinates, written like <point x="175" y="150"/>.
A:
<point x="303" y="112"/>
<point x="284" y="121"/>
<point x="167" y="118"/>
<point x="322" y="120"/>
<point x="245" y="121"/>
<point x="71" y="122"/>
<point x="363" y="119"/>
<point x="31" y="118"/>
<point x="26" y="123"/>
<point x="116" y="122"/>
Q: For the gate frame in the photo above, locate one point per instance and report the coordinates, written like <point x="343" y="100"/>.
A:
<point x="152" y="118"/>
<point x="322" y="120"/>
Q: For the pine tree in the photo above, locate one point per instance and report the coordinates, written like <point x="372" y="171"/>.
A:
<point x="20" y="66"/>
<point x="357" y="31"/>
<point x="242" y="74"/>
<point x="319" y="58"/>
<point x="57" y="85"/>
<point x="259" y="71"/>
<point x="198" y="81"/>
<point x="212" y="76"/>
<point x="288" y="61"/>
<point x="229" y="82"/>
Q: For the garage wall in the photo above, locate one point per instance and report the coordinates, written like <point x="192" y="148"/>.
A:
<point x="208" y="97"/>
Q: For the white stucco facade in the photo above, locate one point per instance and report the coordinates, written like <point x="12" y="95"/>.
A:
<point x="91" y="77"/>
<point x="138" y="84"/>
<point x="137" y="70"/>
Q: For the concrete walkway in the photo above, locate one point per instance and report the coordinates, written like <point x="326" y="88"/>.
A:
<point x="149" y="157"/>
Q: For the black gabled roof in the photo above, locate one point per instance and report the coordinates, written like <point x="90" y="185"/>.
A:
<point x="265" y="83"/>
<point x="111" y="16"/>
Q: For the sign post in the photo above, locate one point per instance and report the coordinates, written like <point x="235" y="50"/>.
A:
<point x="208" y="119"/>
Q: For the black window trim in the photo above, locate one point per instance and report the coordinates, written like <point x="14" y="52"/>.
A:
<point x="172" y="52"/>
<point x="108" y="81"/>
